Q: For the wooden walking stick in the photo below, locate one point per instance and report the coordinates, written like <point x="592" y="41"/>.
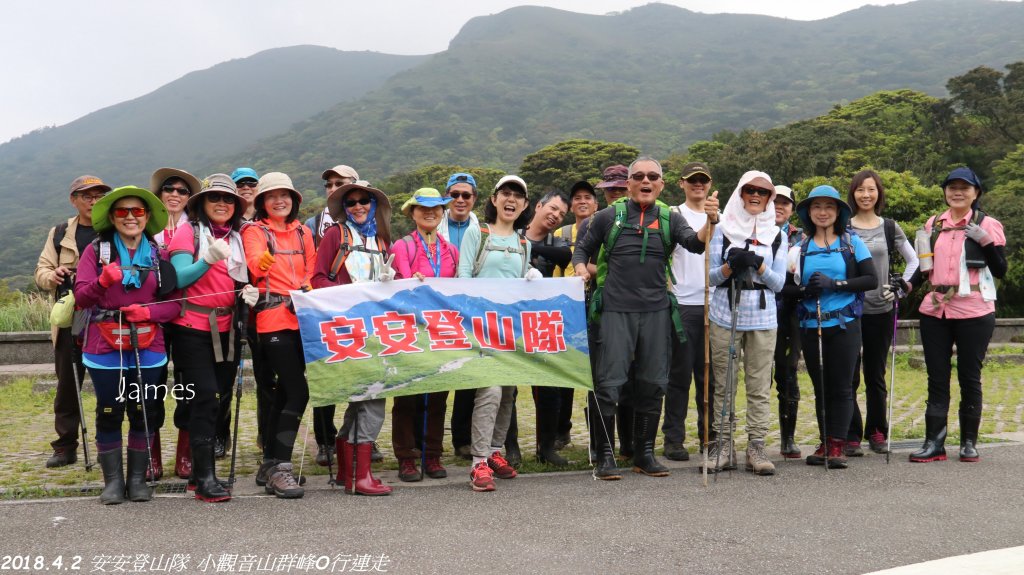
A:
<point x="707" y="340"/>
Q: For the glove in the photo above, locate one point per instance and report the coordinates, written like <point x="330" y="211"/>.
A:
<point x="266" y="260"/>
<point x="978" y="234"/>
<point x="111" y="275"/>
<point x="820" y="282"/>
<point x="249" y="295"/>
<point x="755" y="261"/>
<point x="218" y="250"/>
<point x="888" y="293"/>
<point x="135" y="313"/>
<point x="533" y="274"/>
<point x="737" y="260"/>
<point x="387" y="273"/>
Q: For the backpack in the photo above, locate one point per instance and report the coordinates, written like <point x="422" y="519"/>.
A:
<point x="166" y="277"/>
<point x="410" y="249"/>
<point x="855" y="308"/>
<point x="664" y="217"/>
<point x="974" y="255"/>
<point x="776" y="243"/>
<point x="486" y="246"/>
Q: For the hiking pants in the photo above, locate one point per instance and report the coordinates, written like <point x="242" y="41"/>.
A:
<point x="67" y="361"/>
<point x="492" y="415"/>
<point x="363" y="421"/>
<point x="835" y="394"/>
<point x="407" y="425"/>
<point x="283" y="350"/>
<point x="758" y="347"/>
<point x="687" y="366"/>
<point x="639" y="339"/>
<point x="971" y="337"/>
<point x="204" y="379"/>
<point x="876" y="337"/>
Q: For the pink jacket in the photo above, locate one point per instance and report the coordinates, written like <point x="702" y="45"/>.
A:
<point x="411" y="258"/>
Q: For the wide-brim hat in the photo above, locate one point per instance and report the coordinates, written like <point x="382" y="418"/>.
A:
<point x="613" y="177"/>
<point x="163" y="174"/>
<point x="426" y="197"/>
<point x="157" y="212"/>
<point x="802" y="209"/>
<point x="271" y="181"/>
<point x="335" y="203"/>
<point x="217" y="183"/>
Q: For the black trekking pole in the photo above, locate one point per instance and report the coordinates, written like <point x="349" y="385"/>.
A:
<point x="821" y="377"/>
<point x="728" y="414"/>
<point x="892" y="378"/>
<point x="423" y="446"/>
<point x="79" y="382"/>
<point x="134" y="335"/>
<point x="330" y="464"/>
<point x="243" y="326"/>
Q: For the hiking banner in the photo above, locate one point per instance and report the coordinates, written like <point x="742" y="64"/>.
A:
<point x="404" y="337"/>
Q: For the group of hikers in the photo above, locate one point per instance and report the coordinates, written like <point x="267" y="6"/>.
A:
<point x="189" y="270"/>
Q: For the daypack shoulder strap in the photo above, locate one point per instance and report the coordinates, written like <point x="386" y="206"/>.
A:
<point x="344" y="249"/>
<point x="59" y="231"/>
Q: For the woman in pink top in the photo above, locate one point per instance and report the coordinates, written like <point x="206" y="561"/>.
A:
<point x="968" y="248"/>
<point x="422" y="254"/>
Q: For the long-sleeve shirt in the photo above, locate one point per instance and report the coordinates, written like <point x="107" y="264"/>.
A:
<point x="874" y="239"/>
<point x="290" y="271"/>
<point x="752" y="316"/>
<point x="631" y="286"/>
<point x="199" y="280"/>
<point x="410" y="257"/>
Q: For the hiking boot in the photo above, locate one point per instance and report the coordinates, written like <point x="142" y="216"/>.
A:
<point x="721" y="456"/>
<point x="375" y="454"/>
<point x="407" y="471"/>
<point x="818" y="457"/>
<point x="853" y="449"/>
<point x="462" y="452"/>
<point x="757" y="458"/>
<point x="113" y="476"/>
<point x="282" y="482"/>
<point x="156" y="467"/>
<point x="934" y="447"/>
<point x="837" y="453"/>
<point x="324" y="453"/>
<point x="183" y="456"/>
<point x="877" y="442"/>
<point x="434" y="469"/>
<point x="264" y="471"/>
<point x="676" y="452"/>
<point x="481" y="478"/>
<point x="138" y="461"/>
<point x="62" y="456"/>
<point x="501" y="467"/>
<point x="220" y="447"/>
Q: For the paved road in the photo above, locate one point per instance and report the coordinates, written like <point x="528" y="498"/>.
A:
<point x="802" y="520"/>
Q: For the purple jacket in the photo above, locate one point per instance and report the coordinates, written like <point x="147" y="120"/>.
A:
<point x="89" y="293"/>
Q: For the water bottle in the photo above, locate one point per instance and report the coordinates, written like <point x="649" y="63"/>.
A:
<point x="923" y="246"/>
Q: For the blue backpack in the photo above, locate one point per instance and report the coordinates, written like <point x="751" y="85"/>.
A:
<point x="855" y="308"/>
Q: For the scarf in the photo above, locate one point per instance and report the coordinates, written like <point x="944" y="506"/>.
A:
<point x="367" y="229"/>
<point x="236" y="261"/>
<point x="142" y="259"/>
<point x="739" y="225"/>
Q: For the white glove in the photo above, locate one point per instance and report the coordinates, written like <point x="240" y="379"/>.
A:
<point x="250" y="294"/>
<point x="888" y="294"/>
<point x="978" y="234"/>
<point x="217" y="250"/>
<point x="387" y="273"/>
<point x="534" y="274"/>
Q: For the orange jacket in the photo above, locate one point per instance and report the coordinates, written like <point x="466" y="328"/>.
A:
<point x="290" y="271"/>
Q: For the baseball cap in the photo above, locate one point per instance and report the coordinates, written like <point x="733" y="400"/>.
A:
<point x="785" y="192"/>
<point x="342" y="171"/>
<point x="244" y="174"/>
<point x="460" y="177"/>
<point x="87" y="182"/>
<point x="511" y="179"/>
<point x="694" y="168"/>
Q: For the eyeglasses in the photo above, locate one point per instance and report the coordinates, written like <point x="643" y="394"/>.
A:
<point x="759" y="191"/>
<point x="221" y="198"/>
<point x="246" y="184"/>
<point x="123" y="212"/>
<point x="360" y="201"/>
<point x="176" y="190"/>
<point x="698" y="179"/>
<point x="462" y="195"/>
<point x="335" y="183"/>
<point x="639" y="176"/>
<point x="89" y="197"/>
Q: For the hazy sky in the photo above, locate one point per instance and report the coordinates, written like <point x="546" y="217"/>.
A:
<point x="65" y="58"/>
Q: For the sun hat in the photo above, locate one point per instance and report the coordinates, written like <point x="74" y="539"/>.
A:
<point x="426" y="197"/>
<point x="275" y="181"/>
<point x="157" y="211"/>
<point x="613" y="177"/>
<point x="217" y="183"/>
<point x="156" y="181"/>
<point x="336" y="208"/>
<point x="803" y="208"/>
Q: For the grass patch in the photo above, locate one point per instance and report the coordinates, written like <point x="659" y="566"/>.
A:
<point x="25" y="312"/>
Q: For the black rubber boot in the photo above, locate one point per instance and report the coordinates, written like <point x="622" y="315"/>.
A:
<point x="934" y="448"/>
<point x="970" y="421"/>
<point x="513" y="454"/>
<point x="112" y="464"/>
<point x="645" y="431"/>
<point x="594" y="420"/>
<point x="600" y="434"/>
<point x="138" y="461"/>
<point x="208" y="489"/>
<point x="787" y="429"/>
<point x="624" y="421"/>
<point x="547" y="433"/>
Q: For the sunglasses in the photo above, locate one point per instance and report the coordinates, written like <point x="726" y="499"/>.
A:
<point x="123" y="212"/>
<point x="462" y="195"/>
<point x="698" y="179"/>
<point x="176" y="190"/>
<point x="334" y="184"/>
<point x="360" y="201"/>
<point x="639" y="176"/>
<point x="759" y="191"/>
<point x="246" y="184"/>
<point x="221" y="198"/>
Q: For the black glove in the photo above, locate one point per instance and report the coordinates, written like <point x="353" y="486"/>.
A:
<point x="737" y="260"/>
<point x="756" y="261"/>
<point x="820" y="282"/>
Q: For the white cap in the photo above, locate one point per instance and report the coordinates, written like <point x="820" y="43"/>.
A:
<point x="510" y="179"/>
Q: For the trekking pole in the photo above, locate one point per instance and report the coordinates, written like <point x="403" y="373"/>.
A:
<point x="243" y="326"/>
<point x="423" y="446"/>
<point x="330" y="463"/>
<point x="821" y="377"/>
<point x="707" y="344"/>
<point x="79" y="382"/>
<point x="134" y="335"/>
<point x="892" y="379"/>
<point x="728" y="414"/>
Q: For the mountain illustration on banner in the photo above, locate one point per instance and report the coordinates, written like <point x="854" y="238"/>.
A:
<point x="387" y="365"/>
